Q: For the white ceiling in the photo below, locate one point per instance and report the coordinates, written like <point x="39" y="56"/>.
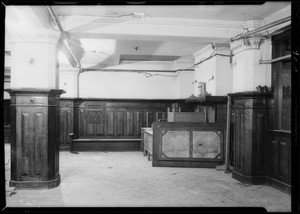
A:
<point x="206" y="12"/>
<point x="114" y="35"/>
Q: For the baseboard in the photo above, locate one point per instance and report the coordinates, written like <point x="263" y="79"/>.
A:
<point x="255" y="180"/>
<point x="106" y="145"/>
<point x="279" y="185"/>
<point x="35" y="184"/>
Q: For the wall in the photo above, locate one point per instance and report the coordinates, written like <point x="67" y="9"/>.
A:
<point x="121" y="85"/>
<point x="185" y="84"/>
<point x="68" y="82"/>
<point x="204" y="72"/>
<point x="223" y="77"/>
<point x="216" y="72"/>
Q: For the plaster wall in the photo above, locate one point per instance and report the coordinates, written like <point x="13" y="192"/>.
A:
<point x="223" y="77"/>
<point x="185" y="84"/>
<point x="204" y="72"/>
<point x="68" y="82"/>
<point x="124" y="85"/>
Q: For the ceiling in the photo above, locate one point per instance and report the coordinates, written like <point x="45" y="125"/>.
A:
<point x="207" y="12"/>
<point x="123" y="36"/>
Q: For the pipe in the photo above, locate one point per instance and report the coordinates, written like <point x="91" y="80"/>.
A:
<point x="78" y="82"/>
<point x="275" y="60"/>
<point x="66" y="39"/>
<point x="278" y="22"/>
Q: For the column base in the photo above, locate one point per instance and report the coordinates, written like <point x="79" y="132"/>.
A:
<point x="35" y="184"/>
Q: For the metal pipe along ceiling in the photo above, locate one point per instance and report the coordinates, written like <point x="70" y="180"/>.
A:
<point x="273" y="24"/>
<point x="66" y="39"/>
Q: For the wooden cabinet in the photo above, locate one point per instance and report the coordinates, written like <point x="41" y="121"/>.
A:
<point x="249" y="118"/>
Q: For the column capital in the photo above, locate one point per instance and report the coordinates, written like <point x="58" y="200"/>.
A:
<point x="35" y="36"/>
<point x="250" y="43"/>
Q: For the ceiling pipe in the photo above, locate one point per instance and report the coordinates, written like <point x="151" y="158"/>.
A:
<point x="275" y="60"/>
<point x="66" y="39"/>
<point x="278" y="22"/>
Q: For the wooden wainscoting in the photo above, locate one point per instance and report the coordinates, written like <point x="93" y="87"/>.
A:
<point x="279" y="171"/>
<point x="110" y="124"/>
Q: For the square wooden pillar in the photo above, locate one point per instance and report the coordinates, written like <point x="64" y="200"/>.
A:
<point x="249" y="122"/>
<point x="34" y="138"/>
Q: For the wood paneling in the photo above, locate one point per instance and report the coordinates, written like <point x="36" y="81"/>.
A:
<point x="279" y="170"/>
<point x="117" y="118"/>
<point x="279" y="143"/>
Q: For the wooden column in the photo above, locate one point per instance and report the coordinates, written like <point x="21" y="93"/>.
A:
<point x="250" y="128"/>
<point x="35" y="138"/>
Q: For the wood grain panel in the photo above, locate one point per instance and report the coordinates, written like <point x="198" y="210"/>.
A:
<point x="237" y="138"/>
<point x="273" y="158"/>
<point x="26" y="137"/>
<point x="110" y="122"/>
<point x="148" y="118"/>
<point x="129" y="123"/>
<point x="37" y="159"/>
<point x="120" y="122"/>
<point x="260" y="141"/>
<point x="282" y="160"/>
<point x="138" y="122"/>
<point x="82" y="122"/>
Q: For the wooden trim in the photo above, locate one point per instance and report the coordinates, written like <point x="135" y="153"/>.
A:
<point x="249" y="179"/>
<point x="105" y="140"/>
<point x="278" y="185"/>
<point x="35" y="184"/>
<point x="125" y="100"/>
<point x="250" y="94"/>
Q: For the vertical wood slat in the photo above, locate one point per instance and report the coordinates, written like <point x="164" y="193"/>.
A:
<point x="38" y="135"/>
<point x="25" y="138"/>
<point x="238" y="140"/>
<point x="242" y="137"/>
<point x="82" y="122"/>
<point x="260" y="139"/>
<point x="110" y="122"/>
<point x="148" y="118"/>
<point x="282" y="160"/>
<point x="129" y="123"/>
<point x="273" y="157"/>
<point x="138" y="122"/>
<point x="120" y="122"/>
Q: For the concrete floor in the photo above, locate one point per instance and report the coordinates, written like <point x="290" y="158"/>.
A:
<point x="127" y="179"/>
